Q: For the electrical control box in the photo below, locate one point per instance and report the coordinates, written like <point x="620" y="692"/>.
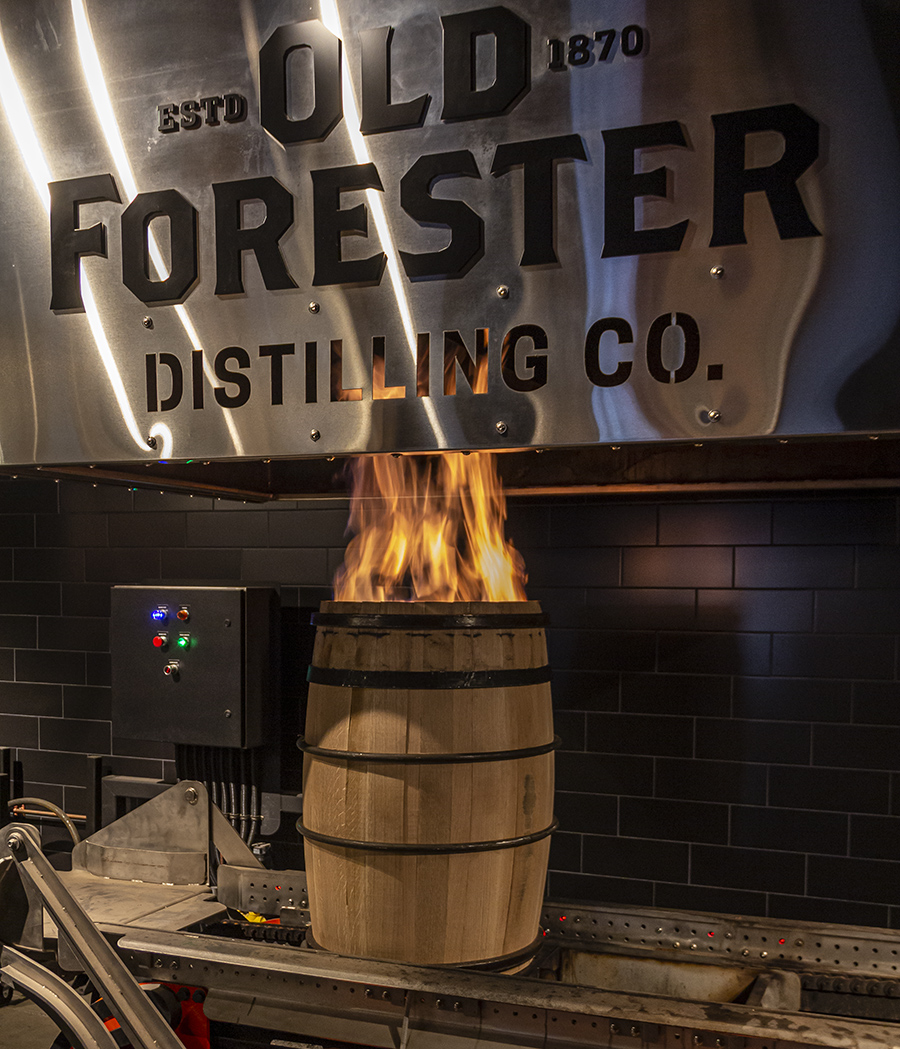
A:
<point x="194" y="664"/>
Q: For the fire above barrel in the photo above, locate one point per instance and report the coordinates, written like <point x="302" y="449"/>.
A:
<point x="428" y="780"/>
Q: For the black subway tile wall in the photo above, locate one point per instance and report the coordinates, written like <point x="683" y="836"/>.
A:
<point x="726" y="675"/>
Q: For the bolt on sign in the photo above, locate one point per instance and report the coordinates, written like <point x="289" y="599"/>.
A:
<point x="272" y="229"/>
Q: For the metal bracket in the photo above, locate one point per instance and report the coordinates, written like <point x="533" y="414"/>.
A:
<point x="21" y="906"/>
<point x="265" y="892"/>
<point x="273" y="805"/>
<point x="164" y="841"/>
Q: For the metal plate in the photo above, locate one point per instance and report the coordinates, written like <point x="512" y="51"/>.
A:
<point x="794" y="330"/>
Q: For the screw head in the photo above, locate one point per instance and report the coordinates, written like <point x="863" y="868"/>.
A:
<point x="313" y="307"/>
<point x="227" y="713"/>
<point x="191" y="796"/>
<point x="717" y="272"/>
<point x="151" y="442"/>
<point x="503" y="292"/>
<point x="314" y="435"/>
<point x="147" y="322"/>
<point x="501" y="427"/>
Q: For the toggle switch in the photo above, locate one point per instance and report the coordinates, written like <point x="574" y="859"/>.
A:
<point x="171" y="669"/>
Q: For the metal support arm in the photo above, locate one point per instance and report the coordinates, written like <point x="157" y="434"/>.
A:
<point x="142" y="1023"/>
<point x="62" y="1003"/>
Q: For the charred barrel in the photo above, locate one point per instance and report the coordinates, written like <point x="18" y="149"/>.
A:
<point x="428" y="780"/>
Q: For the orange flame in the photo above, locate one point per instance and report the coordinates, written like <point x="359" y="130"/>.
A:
<point x="429" y="528"/>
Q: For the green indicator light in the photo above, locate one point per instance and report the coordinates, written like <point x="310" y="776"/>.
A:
<point x="183" y="641"/>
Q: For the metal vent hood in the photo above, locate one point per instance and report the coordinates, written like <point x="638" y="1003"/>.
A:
<point x="631" y="252"/>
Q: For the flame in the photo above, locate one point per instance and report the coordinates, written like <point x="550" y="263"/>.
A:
<point x="429" y="528"/>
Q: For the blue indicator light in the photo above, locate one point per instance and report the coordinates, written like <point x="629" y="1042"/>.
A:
<point x="159" y="615"/>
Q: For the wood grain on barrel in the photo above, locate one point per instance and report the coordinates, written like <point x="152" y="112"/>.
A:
<point x="428" y="909"/>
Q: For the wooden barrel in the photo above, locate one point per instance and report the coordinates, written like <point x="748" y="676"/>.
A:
<point x="428" y="780"/>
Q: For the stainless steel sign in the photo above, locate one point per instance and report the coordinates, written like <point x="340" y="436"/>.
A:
<point x="285" y="229"/>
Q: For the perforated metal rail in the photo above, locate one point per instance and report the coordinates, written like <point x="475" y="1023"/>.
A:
<point x="787" y="944"/>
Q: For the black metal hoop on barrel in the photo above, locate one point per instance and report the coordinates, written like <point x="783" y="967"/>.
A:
<point x="429" y="759"/>
<point x="433" y="680"/>
<point x="408" y="848"/>
<point x="405" y="621"/>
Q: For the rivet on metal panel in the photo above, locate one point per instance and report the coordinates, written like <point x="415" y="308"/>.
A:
<point x="717" y="272"/>
<point x="147" y="322"/>
<point x="501" y="427"/>
<point x="676" y="944"/>
<point x="313" y="307"/>
<point x="314" y="435"/>
<point x="635" y="1031"/>
<point x="503" y="292"/>
<point x="191" y="796"/>
<point x="613" y="1028"/>
<point x="151" y="442"/>
<point x="227" y="713"/>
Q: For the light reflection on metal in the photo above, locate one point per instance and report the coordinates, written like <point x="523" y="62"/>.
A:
<point x="93" y="73"/>
<point x="331" y="19"/>
<point x="160" y="430"/>
<point x="33" y="156"/>
<point x="23" y="129"/>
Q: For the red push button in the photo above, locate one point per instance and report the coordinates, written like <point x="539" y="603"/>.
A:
<point x="161" y="641"/>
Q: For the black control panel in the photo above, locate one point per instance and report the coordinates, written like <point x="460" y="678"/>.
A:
<point x="193" y="664"/>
